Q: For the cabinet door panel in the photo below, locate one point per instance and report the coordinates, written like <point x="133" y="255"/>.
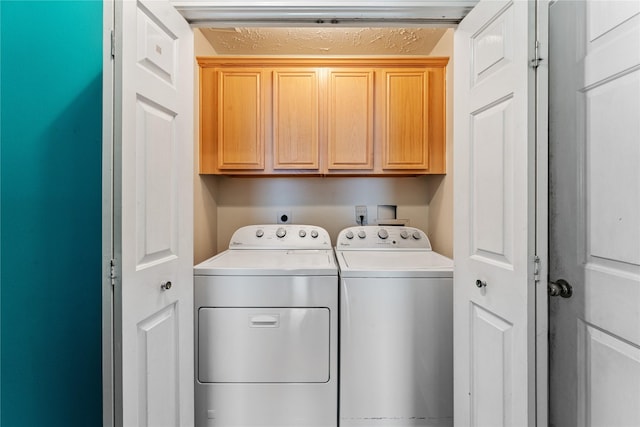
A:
<point x="405" y="138"/>
<point x="350" y="119"/>
<point x="295" y="119"/>
<point x="240" y="119"/>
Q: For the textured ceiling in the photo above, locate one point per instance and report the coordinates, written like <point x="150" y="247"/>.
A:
<point x="325" y="41"/>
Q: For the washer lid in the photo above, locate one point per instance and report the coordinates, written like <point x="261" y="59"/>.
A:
<point x="394" y="264"/>
<point x="248" y="262"/>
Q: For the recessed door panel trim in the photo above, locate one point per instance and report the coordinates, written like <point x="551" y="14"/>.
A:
<point x="264" y="345"/>
<point x="156" y="46"/>
<point x="491" y="48"/>
<point x="609" y="364"/>
<point x="491" y="183"/>
<point x="156" y="190"/>
<point x="158" y="370"/>
<point x="491" y="367"/>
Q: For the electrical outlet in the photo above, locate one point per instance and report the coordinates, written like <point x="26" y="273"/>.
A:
<point x="361" y="215"/>
<point x="284" y="217"/>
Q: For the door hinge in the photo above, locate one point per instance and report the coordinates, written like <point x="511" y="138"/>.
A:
<point x="536" y="268"/>
<point x="535" y="62"/>
<point x="113" y="44"/>
<point x="112" y="272"/>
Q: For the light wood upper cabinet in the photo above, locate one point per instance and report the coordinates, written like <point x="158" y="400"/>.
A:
<point x="232" y="121"/>
<point x="322" y="116"/>
<point x="295" y="119"/>
<point x="350" y="119"/>
<point x="405" y="119"/>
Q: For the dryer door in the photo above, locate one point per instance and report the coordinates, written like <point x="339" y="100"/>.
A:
<point x="263" y="345"/>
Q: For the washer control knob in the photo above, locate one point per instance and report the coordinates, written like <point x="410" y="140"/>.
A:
<point x="314" y="234"/>
<point x="383" y="234"/>
<point x="302" y="233"/>
<point x="349" y="235"/>
<point x="416" y="235"/>
<point x="281" y="232"/>
<point x="362" y="234"/>
<point x="404" y="234"/>
<point x="259" y="232"/>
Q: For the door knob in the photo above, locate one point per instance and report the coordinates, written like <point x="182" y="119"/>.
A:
<point x="481" y="284"/>
<point x="560" y="288"/>
<point x="165" y="286"/>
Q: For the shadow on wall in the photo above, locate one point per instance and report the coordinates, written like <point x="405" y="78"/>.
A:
<point x="51" y="251"/>
<point x="323" y="191"/>
<point x="326" y="202"/>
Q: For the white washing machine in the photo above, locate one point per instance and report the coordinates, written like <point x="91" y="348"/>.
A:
<point x="266" y="325"/>
<point x="396" y="329"/>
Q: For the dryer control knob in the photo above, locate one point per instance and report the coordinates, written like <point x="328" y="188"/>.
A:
<point x="416" y="235"/>
<point x="302" y="233"/>
<point x="259" y="232"/>
<point x="349" y="235"/>
<point x="281" y="232"/>
<point x="314" y="234"/>
<point x="362" y="234"/>
<point x="404" y="234"/>
<point x="383" y="234"/>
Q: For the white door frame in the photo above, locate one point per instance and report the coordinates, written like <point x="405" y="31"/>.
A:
<point x="542" y="212"/>
<point x="108" y="17"/>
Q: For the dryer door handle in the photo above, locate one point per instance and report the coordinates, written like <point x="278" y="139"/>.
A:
<point x="264" y="321"/>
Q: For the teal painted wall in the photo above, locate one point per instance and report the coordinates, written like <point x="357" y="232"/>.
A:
<point x="50" y="186"/>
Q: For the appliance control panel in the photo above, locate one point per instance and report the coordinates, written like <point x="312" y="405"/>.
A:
<point x="379" y="237"/>
<point x="280" y="236"/>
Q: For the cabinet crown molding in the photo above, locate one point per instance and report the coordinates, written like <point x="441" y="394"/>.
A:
<point x="323" y="61"/>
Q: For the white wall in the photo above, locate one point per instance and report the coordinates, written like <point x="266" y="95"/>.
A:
<point x="205" y="212"/>
<point x="327" y="202"/>
<point x="440" y="227"/>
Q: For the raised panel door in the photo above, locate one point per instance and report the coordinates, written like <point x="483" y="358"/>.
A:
<point x="240" y="119"/>
<point x="151" y="216"/>
<point x="499" y="162"/>
<point x="405" y="115"/>
<point x="295" y="119"/>
<point x="594" y="202"/>
<point x="350" y="119"/>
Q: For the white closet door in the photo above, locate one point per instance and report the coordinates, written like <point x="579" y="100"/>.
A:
<point x="495" y="216"/>
<point x="153" y="215"/>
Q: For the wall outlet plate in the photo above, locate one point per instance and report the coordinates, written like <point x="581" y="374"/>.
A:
<point x="284" y="217"/>
<point x="361" y="215"/>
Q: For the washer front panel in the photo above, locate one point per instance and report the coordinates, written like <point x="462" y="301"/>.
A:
<point x="396" y="352"/>
<point x="263" y="345"/>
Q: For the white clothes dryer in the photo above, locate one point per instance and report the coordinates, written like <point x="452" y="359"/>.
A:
<point x="396" y="329"/>
<point x="266" y="325"/>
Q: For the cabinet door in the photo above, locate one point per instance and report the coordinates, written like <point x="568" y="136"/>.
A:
<point x="405" y="118"/>
<point x="240" y="119"/>
<point x="350" y="119"/>
<point x="295" y="119"/>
